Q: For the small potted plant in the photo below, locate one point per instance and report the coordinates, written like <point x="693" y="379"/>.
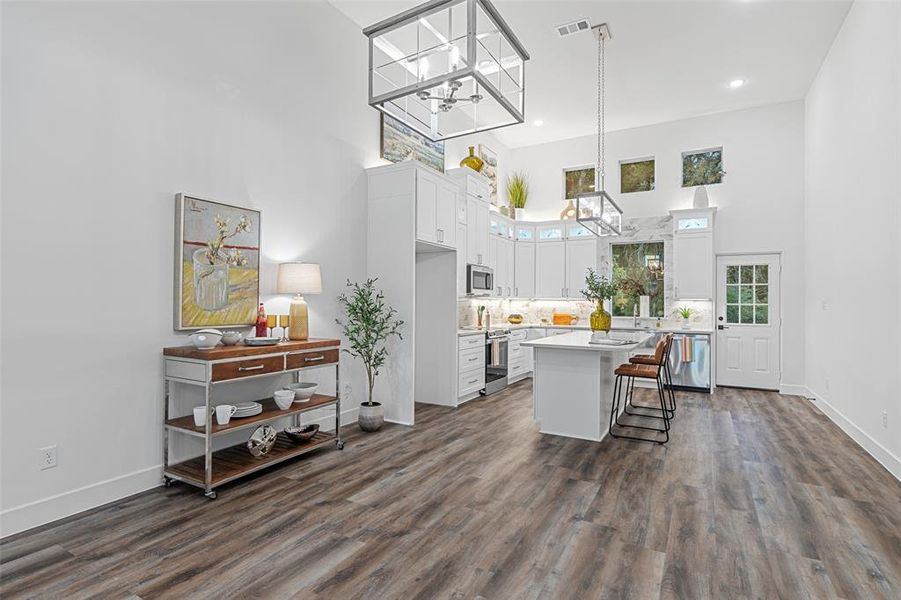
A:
<point x="597" y="289"/>
<point x="368" y="325"/>
<point x="518" y="194"/>
<point x="685" y="312"/>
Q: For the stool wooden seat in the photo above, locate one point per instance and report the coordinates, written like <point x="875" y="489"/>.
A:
<point x="646" y="367"/>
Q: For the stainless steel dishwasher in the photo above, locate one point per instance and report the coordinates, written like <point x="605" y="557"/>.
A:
<point x="689" y="361"/>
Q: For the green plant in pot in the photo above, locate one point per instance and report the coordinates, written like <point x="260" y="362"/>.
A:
<point x="685" y="312"/>
<point x="368" y="325"/>
<point x="597" y="289"/>
<point x="518" y="193"/>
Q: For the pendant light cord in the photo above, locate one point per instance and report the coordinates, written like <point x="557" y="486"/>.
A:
<point x="602" y="124"/>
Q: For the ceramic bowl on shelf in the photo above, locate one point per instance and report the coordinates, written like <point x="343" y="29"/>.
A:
<point x="230" y="338"/>
<point x="261" y="341"/>
<point x="302" y="391"/>
<point x="302" y="434"/>
<point x="204" y="339"/>
<point x="283" y="398"/>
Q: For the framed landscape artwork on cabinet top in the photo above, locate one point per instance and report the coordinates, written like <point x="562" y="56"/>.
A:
<point x="217" y="264"/>
<point x="400" y="143"/>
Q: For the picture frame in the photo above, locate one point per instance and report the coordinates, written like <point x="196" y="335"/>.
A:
<point x="217" y="264"/>
<point x="399" y="143"/>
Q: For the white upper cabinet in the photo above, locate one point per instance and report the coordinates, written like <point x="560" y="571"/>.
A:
<point x="476" y="231"/>
<point x="581" y="254"/>
<point x="474" y="185"/>
<point x="507" y="262"/>
<point x="550" y="272"/>
<point x="436" y="209"/>
<point x="524" y="270"/>
<point x="551" y="233"/>
<point x="693" y="253"/>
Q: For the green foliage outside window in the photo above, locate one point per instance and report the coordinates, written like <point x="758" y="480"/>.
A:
<point x="702" y="168"/>
<point x="638" y="271"/>
<point x="578" y="181"/>
<point x="636" y="176"/>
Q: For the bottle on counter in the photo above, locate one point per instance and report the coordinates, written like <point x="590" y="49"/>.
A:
<point x="659" y="323"/>
<point x="261" y="322"/>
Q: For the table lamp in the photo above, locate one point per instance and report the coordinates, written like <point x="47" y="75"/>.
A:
<point x="299" y="279"/>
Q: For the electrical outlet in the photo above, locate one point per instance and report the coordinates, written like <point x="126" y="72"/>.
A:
<point x="885" y="419"/>
<point x="47" y="458"/>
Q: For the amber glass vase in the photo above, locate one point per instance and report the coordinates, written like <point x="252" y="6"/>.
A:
<point x="600" y="319"/>
<point x="472" y="161"/>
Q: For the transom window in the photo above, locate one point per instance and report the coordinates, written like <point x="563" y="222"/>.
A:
<point x="747" y="294"/>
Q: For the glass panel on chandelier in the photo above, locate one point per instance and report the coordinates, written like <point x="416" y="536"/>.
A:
<point x="497" y="60"/>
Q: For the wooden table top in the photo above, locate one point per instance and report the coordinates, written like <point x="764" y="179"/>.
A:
<point x="220" y="352"/>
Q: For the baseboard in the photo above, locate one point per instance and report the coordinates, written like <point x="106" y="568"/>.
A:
<point x="882" y="455"/>
<point x="793" y="389"/>
<point x="408" y="424"/>
<point x="46" y="510"/>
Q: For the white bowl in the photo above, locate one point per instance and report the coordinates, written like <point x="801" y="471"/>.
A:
<point x="283" y="398"/>
<point x="302" y="391"/>
<point x="230" y="338"/>
<point x="206" y="338"/>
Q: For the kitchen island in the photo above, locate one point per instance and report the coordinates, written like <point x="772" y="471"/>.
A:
<point x="572" y="387"/>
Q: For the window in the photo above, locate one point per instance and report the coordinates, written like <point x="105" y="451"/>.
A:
<point x="577" y="181"/>
<point x="694" y="223"/>
<point x="747" y="294"/>
<point x="638" y="271"/>
<point x="702" y="167"/>
<point x="636" y="176"/>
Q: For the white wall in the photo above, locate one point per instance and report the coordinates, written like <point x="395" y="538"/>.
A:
<point x="108" y="110"/>
<point x="760" y="201"/>
<point x="853" y="192"/>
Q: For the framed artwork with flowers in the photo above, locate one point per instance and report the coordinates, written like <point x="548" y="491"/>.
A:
<point x="217" y="264"/>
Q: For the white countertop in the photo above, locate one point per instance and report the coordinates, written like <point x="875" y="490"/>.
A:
<point x="578" y="340"/>
<point x="585" y="327"/>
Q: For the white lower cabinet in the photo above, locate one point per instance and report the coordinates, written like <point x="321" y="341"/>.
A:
<point x="470" y="366"/>
<point x="519" y="358"/>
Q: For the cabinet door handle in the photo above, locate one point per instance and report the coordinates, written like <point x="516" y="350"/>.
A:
<point x="563" y="292"/>
<point x="516" y="291"/>
<point x="313" y="358"/>
<point x="473" y="359"/>
<point x="471" y="381"/>
<point x="253" y="368"/>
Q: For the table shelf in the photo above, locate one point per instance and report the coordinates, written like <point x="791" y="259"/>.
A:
<point x="271" y="412"/>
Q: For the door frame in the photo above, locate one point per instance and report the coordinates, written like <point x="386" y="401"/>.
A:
<point x="778" y="254"/>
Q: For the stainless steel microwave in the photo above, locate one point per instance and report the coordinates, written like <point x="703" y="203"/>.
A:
<point x="479" y="280"/>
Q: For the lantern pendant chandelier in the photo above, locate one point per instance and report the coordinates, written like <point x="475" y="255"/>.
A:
<point x="596" y="210"/>
<point x="447" y="68"/>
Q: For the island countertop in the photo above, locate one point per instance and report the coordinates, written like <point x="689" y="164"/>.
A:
<point x="579" y="340"/>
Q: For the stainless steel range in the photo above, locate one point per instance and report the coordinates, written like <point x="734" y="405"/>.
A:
<point x="496" y="363"/>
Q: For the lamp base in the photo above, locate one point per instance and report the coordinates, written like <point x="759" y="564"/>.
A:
<point x="300" y="319"/>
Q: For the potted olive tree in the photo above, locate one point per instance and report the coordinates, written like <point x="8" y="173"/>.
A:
<point x="597" y="289"/>
<point x="368" y="325"/>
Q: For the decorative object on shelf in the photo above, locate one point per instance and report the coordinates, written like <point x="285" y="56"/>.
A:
<point x="515" y="318"/>
<point x="262" y="440"/>
<point x="302" y="434"/>
<point x="225" y="412"/>
<point x="283" y="398"/>
<point x="205" y="339"/>
<point x="200" y="415"/>
<point x="261" y="341"/>
<point x="299" y="279"/>
<point x="596" y="210"/>
<point x="562" y="318"/>
<point x="569" y="211"/>
<point x="504" y="210"/>
<point x="217" y="264"/>
<point x="272" y="324"/>
<point x="260" y="329"/>
<point x="302" y="391"/>
<point x="518" y="193"/>
<point x="431" y="68"/>
<point x="700" y="199"/>
<point x="368" y="325"/>
<point x="685" y="313"/>
<point x="472" y="161"/>
<point x="702" y="167"/>
<point x="489" y="170"/>
<point x="400" y="143"/>
<point x="232" y="338"/>
<point x="598" y="289"/>
<point x="284" y="321"/>
<point x="480" y="310"/>
<point x="248" y="409"/>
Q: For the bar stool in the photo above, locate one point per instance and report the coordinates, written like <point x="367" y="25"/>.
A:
<point x="632" y="371"/>
<point x="649" y="359"/>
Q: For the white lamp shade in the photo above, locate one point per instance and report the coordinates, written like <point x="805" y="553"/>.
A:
<point x="299" y="278"/>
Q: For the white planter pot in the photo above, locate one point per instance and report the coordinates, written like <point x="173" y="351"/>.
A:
<point x="701" y="200"/>
<point x="519" y="214"/>
<point x="686" y="323"/>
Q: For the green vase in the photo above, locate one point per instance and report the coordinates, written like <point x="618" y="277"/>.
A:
<point x="600" y="319"/>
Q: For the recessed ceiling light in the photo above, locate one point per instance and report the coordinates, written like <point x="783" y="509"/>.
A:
<point x="736" y="83"/>
<point x="538" y="123"/>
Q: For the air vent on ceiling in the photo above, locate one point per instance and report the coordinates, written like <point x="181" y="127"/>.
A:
<point x="574" y="27"/>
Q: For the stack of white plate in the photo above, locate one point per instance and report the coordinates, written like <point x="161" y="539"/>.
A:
<point x="248" y="409"/>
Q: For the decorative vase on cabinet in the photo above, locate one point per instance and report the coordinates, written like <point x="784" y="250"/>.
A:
<point x="472" y="161"/>
<point x="600" y="319"/>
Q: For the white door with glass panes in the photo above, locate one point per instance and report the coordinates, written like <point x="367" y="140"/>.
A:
<point x="748" y="321"/>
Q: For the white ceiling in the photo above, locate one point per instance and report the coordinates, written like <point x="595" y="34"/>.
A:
<point x="666" y="61"/>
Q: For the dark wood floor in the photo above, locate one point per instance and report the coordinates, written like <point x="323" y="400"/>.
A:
<point x="756" y="496"/>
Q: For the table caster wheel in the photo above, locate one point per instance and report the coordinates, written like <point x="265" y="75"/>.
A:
<point x="340" y="444"/>
<point x="167" y="482"/>
<point x="211" y="495"/>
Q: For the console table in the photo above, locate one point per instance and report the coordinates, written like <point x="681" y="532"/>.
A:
<point x="222" y="365"/>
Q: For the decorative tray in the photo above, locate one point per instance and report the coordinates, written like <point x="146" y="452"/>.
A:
<point x="261" y="341"/>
